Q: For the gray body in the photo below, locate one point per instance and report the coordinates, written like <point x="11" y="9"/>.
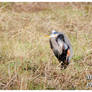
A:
<point x="60" y="46"/>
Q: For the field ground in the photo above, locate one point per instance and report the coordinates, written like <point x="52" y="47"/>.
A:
<point x="26" y="60"/>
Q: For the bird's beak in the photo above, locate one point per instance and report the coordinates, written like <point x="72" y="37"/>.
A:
<point x="47" y="36"/>
<point x="52" y="35"/>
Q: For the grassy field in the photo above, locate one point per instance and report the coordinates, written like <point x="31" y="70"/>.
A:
<point x="26" y="60"/>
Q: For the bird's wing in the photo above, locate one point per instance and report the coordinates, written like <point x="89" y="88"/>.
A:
<point x="60" y="46"/>
<point x="67" y="41"/>
<point x="55" y="46"/>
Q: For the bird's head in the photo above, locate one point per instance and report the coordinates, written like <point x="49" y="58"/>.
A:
<point x="53" y="34"/>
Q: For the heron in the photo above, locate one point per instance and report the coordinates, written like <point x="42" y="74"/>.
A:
<point x="61" y="46"/>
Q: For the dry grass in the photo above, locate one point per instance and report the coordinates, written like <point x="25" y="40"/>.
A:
<point x="26" y="60"/>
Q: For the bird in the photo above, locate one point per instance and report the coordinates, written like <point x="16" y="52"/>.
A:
<point x="62" y="48"/>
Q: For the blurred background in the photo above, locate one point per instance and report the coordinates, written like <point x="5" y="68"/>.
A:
<point x="26" y="60"/>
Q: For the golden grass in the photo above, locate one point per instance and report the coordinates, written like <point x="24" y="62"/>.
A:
<point x="26" y="60"/>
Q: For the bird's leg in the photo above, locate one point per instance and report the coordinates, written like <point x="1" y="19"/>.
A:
<point x="62" y="65"/>
<point x="65" y="66"/>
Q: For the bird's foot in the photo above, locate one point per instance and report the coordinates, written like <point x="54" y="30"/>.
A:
<point x="63" y="66"/>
